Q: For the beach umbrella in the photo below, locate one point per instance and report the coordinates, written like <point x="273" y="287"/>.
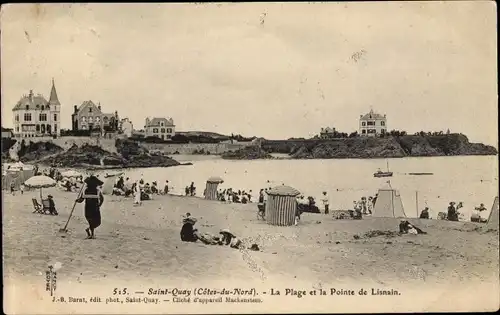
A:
<point x="41" y="182"/>
<point x="215" y="179"/>
<point x="71" y="173"/>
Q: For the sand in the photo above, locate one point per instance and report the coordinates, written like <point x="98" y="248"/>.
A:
<point x="454" y="267"/>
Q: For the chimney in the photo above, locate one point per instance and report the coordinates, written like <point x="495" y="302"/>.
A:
<point x="99" y="106"/>
<point x="76" y="109"/>
<point x="31" y="95"/>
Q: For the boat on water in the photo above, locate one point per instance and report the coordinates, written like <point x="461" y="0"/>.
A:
<point x="379" y="173"/>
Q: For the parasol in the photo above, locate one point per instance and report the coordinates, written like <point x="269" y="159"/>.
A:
<point x="41" y="182"/>
<point x="71" y="173"/>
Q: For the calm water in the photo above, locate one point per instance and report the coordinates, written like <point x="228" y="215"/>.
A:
<point x="472" y="180"/>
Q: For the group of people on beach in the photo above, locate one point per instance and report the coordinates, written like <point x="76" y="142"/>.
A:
<point x="234" y="196"/>
<point x="189" y="233"/>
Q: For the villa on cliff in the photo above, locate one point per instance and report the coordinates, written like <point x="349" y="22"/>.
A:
<point x="163" y="128"/>
<point x="34" y="116"/>
<point x="372" y="124"/>
<point x="89" y="116"/>
<point x="327" y="133"/>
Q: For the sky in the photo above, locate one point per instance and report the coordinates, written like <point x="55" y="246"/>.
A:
<point x="261" y="69"/>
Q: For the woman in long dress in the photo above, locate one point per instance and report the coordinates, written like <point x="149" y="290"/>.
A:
<point x="137" y="196"/>
<point x="93" y="201"/>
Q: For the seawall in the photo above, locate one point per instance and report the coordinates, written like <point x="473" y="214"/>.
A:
<point x="189" y="148"/>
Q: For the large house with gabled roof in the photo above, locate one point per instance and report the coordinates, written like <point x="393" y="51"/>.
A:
<point x="89" y="116"/>
<point x="34" y="116"/>
<point x="372" y="124"/>
<point x="163" y="128"/>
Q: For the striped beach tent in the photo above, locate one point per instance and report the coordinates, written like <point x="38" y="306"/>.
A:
<point x="211" y="188"/>
<point x="281" y="205"/>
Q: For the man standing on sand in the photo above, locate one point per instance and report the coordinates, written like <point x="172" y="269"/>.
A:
<point x="93" y="201"/>
<point x="326" y="203"/>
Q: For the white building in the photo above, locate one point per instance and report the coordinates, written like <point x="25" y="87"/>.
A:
<point x="162" y="128"/>
<point x="372" y="124"/>
<point x="127" y="127"/>
<point x="34" y="116"/>
<point x="327" y="133"/>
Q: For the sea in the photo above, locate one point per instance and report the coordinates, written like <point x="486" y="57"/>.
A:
<point x="471" y="180"/>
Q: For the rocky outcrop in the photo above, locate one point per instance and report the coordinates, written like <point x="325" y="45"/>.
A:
<point x="37" y="150"/>
<point x="130" y="155"/>
<point x="386" y="147"/>
<point x="247" y="153"/>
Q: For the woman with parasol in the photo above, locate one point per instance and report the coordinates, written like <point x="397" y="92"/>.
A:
<point x="93" y="202"/>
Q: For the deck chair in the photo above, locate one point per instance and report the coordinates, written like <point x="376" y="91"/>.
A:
<point x="38" y="208"/>
<point x="46" y="207"/>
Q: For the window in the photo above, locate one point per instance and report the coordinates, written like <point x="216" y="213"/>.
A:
<point x="55" y="117"/>
<point x="363" y="131"/>
<point x="27" y="117"/>
<point x="17" y="117"/>
<point x="42" y="128"/>
<point x="162" y="137"/>
<point x="155" y="130"/>
<point x="90" y="109"/>
<point x="84" y="119"/>
<point x="27" y="107"/>
<point x="372" y="131"/>
<point x="97" y="119"/>
<point x="371" y="123"/>
<point x="37" y="128"/>
<point x="383" y="130"/>
<point x="90" y="120"/>
<point x="42" y="117"/>
<point x="382" y="123"/>
<point x="169" y="136"/>
<point x="162" y="124"/>
<point x="37" y="106"/>
<point x="169" y="130"/>
<point x="43" y="107"/>
<point x="17" y="129"/>
<point x="162" y="130"/>
<point x="48" y="129"/>
<point x="363" y="124"/>
<point x="55" y="128"/>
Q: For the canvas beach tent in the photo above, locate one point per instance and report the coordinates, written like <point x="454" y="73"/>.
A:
<point x="389" y="204"/>
<point x="109" y="183"/>
<point x="493" y="218"/>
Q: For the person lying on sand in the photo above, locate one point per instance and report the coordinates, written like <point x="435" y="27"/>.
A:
<point x="406" y="228"/>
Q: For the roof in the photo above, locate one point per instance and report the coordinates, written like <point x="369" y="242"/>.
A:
<point x="53" y="99"/>
<point x="6" y="129"/>
<point x="155" y="121"/>
<point x="283" y="191"/>
<point x="87" y="103"/>
<point x="31" y="102"/>
<point x="372" y="115"/>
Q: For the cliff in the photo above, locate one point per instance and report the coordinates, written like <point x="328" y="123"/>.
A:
<point x="386" y="147"/>
<point x="247" y="153"/>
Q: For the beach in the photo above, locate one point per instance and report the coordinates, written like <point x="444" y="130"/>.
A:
<point x="138" y="247"/>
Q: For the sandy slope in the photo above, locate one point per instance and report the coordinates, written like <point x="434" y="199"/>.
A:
<point x="137" y="246"/>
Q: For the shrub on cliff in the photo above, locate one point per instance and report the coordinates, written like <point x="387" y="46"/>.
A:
<point x="128" y="148"/>
<point x="247" y="153"/>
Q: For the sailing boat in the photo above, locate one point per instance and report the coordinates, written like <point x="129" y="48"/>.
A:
<point x="379" y="173"/>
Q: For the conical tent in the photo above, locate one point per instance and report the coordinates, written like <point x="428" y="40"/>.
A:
<point x="388" y="204"/>
<point x="109" y="184"/>
<point x="493" y="218"/>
